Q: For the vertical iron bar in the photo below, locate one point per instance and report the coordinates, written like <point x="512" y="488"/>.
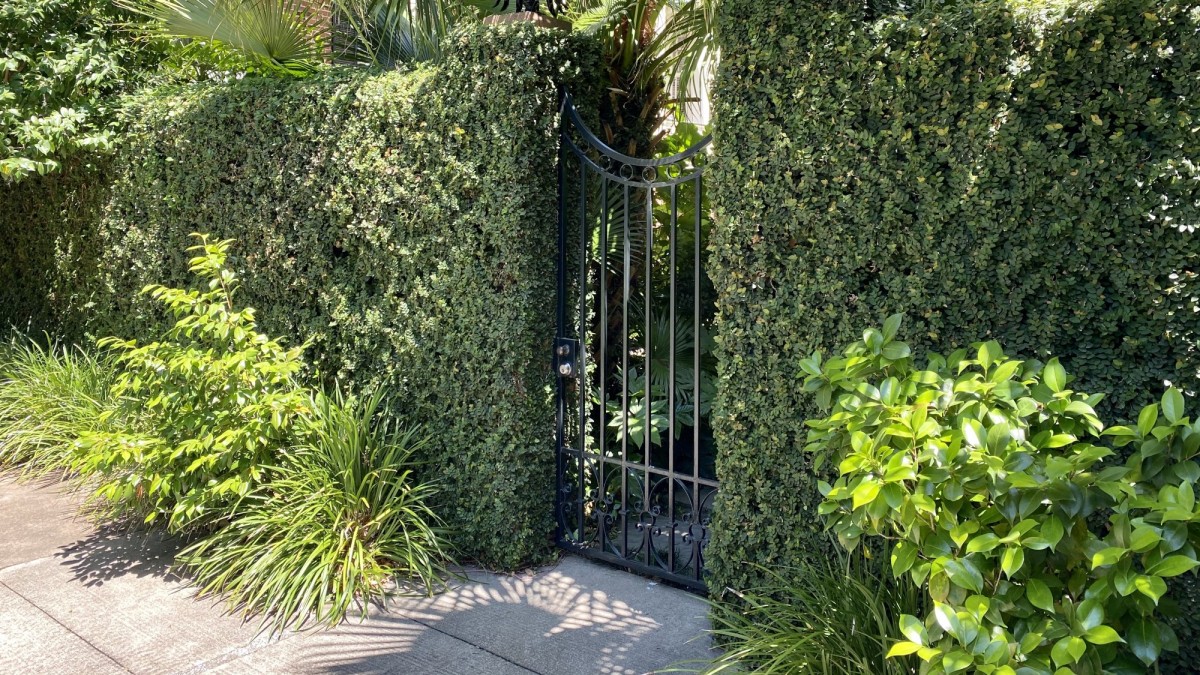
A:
<point x="647" y="302"/>
<point x="671" y="393"/>
<point x="560" y="464"/>
<point x="696" y="500"/>
<point x="602" y="366"/>
<point x="625" y="382"/>
<point x="581" y="352"/>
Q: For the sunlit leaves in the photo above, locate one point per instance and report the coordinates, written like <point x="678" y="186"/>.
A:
<point x="63" y="66"/>
<point x="337" y="520"/>
<point x="1002" y="468"/>
<point x="205" y="407"/>
<point x="278" y="36"/>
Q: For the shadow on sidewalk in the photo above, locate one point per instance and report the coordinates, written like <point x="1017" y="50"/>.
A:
<point x="553" y="622"/>
<point x="115" y="551"/>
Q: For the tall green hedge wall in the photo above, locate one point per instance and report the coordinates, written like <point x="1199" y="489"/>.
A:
<point x="403" y="221"/>
<point x="1025" y="172"/>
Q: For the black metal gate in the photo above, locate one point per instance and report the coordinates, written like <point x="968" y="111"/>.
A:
<point x="635" y="481"/>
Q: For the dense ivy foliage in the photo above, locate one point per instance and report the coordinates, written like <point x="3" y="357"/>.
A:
<point x="991" y="173"/>
<point x="403" y="221"/>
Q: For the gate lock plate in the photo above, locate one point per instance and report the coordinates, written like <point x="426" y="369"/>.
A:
<point x="565" y="351"/>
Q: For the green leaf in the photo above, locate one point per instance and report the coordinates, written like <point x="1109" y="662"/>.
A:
<point x="1052" y="530"/>
<point x="1172" y="566"/>
<point x="983" y="543"/>
<point x="1123" y="580"/>
<point x="964" y="574"/>
<point x="1144" y="538"/>
<point x="913" y="628"/>
<point x="1102" y="635"/>
<point x="1089" y="614"/>
<point x="1147" y="418"/>
<point x="904" y="554"/>
<point x="1108" y="556"/>
<point x="1068" y="650"/>
<point x="956" y="661"/>
<point x="978" y="605"/>
<point x="1012" y="560"/>
<point x="865" y="493"/>
<point x="1144" y="641"/>
<point x="1054" y="376"/>
<point x="1004" y="371"/>
<point x="973" y="433"/>
<point x="1172" y="405"/>
<point x="891" y="325"/>
<point x="895" y="351"/>
<point x="903" y="649"/>
<point x="1039" y="595"/>
<point x="988" y="353"/>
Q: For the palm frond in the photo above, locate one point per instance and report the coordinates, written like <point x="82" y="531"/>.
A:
<point x="389" y="32"/>
<point x="279" y="36"/>
<point x="591" y="18"/>
<point x="683" y="48"/>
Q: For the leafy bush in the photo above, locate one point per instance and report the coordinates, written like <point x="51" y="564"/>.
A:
<point x="63" y="63"/>
<point x="832" y="617"/>
<point x="340" y="516"/>
<point x="404" y="221"/>
<point x="201" y="411"/>
<point x="997" y="170"/>
<point x="986" y="475"/>
<point x="49" y="397"/>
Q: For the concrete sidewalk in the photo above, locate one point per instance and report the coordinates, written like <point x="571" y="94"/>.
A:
<point x="77" y="600"/>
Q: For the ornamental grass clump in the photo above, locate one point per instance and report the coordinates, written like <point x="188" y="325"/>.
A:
<point x="834" y="618"/>
<point x="340" y="519"/>
<point x="986" y="477"/>
<point x="49" y="397"/>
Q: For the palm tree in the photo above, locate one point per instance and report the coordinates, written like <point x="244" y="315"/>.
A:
<point x="296" y="37"/>
<point x="274" y="36"/>
<point x="658" y="53"/>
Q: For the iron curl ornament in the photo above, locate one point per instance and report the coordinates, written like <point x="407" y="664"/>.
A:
<point x="555" y="7"/>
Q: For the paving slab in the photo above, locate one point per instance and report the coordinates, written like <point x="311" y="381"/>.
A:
<point x="32" y="642"/>
<point x="577" y="618"/>
<point x="114" y="592"/>
<point x="79" y="600"/>
<point x="384" y="644"/>
<point x="37" y="519"/>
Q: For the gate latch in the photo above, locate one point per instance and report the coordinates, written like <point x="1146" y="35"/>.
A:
<point x="565" y="351"/>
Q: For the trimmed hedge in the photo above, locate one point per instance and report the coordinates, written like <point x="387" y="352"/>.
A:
<point x="991" y="172"/>
<point x="403" y="221"/>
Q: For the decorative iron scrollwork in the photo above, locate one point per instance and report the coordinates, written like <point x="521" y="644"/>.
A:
<point x="641" y="498"/>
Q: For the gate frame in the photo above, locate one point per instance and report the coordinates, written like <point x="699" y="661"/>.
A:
<point x="569" y="357"/>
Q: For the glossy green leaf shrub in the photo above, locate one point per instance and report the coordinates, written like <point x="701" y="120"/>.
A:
<point x="404" y="222"/>
<point x="199" y="412"/>
<point x="1020" y="172"/>
<point x="63" y="65"/>
<point x="987" y="476"/>
<point x="339" y="517"/>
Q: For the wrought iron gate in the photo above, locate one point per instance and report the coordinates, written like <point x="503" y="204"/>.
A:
<point x="635" y="481"/>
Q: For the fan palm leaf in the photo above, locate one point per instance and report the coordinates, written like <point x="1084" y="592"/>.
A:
<point x="279" y="36"/>
<point x="389" y="32"/>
